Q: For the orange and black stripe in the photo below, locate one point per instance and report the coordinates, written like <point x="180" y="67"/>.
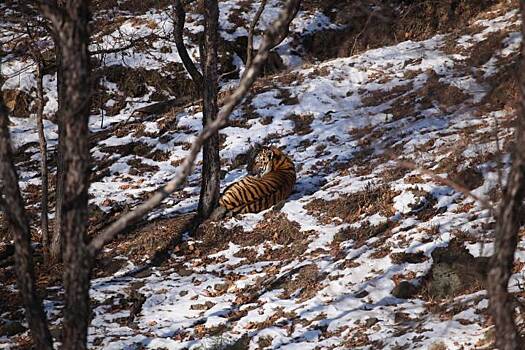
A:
<point x="254" y="194"/>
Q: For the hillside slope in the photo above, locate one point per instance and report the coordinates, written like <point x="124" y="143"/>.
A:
<point x="365" y="253"/>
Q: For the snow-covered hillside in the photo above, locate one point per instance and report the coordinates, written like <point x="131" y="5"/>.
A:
<point x="328" y="270"/>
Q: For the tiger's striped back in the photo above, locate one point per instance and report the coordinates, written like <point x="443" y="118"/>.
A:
<point x="274" y="183"/>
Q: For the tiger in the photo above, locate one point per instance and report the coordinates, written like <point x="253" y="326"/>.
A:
<point x="271" y="180"/>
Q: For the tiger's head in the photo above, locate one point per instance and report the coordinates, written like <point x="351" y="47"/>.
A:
<point x="265" y="161"/>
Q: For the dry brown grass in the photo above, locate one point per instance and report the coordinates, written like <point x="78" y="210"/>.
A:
<point x="302" y="123"/>
<point x="390" y="23"/>
<point x="411" y="258"/>
<point x="438" y="345"/>
<point x="307" y="281"/>
<point x="363" y="233"/>
<point x="378" y="97"/>
<point x="504" y="92"/>
<point x="156" y="237"/>
<point x="349" y="207"/>
<point x="436" y="90"/>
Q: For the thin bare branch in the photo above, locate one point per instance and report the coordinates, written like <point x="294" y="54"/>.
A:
<point x="356" y="40"/>
<point x="132" y="43"/>
<point x="185" y="169"/>
<point x="499" y="153"/>
<point x="253" y="25"/>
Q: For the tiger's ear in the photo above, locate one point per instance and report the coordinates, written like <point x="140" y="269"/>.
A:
<point x="276" y="151"/>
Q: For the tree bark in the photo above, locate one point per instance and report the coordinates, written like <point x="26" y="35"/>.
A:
<point x="17" y="219"/>
<point x="179" y="19"/>
<point x="44" y="220"/>
<point x="56" y="243"/>
<point x="211" y="166"/>
<point x="507" y="228"/>
<point x="284" y="34"/>
<point x="70" y="24"/>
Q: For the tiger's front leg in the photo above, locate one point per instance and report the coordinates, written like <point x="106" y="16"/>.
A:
<point x="279" y="205"/>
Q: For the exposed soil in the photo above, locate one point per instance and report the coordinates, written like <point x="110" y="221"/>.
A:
<point x="363" y="233"/>
<point x="306" y="282"/>
<point x="136" y="148"/>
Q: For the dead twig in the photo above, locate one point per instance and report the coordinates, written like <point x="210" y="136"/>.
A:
<point x="132" y="43"/>
<point x="361" y="32"/>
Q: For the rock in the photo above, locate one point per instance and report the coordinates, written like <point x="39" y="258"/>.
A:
<point x="446" y="281"/>
<point x="207" y="305"/>
<point x="361" y="294"/>
<point x="455" y="271"/>
<point x="410" y="258"/>
<point x="221" y="287"/>
<point x="404" y="290"/>
<point x="17" y="102"/>
<point x="371" y="321"/>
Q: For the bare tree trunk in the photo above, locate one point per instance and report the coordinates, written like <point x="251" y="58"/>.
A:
<point x="56" y="243"/>
<point x="211" y="166"/>
<point x="284" y="34"/>
<point x="207" y="85"/>
<point x="44" y="220"/>
<point x="71" y="29"/>
<point x="15" y="213"/>
<point x="253" y="25"/>
<point x="507" y="227"/>
<point x="179" y="19"/>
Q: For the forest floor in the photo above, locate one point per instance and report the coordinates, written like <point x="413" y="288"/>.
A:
<point x="369" y="252"/>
